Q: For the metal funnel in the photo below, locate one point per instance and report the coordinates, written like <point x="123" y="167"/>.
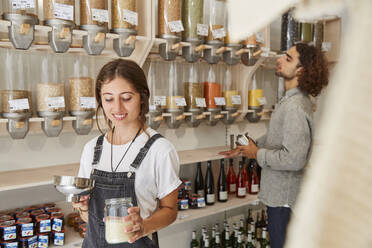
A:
<point x="73" y="187"/>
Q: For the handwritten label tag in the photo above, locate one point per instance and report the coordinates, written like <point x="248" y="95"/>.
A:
<point x="236" y="100"/>
<point x="23" y="4"/>
<point x="100" y="15"/>
<point x="56" y="102"/>
<point x="219" y="33"/>
<point x="180" y="102"/>
<point x="175" y="26"/>
<point x="202" y="29"/>
<point x="64" y="11"/>
<point x="160" y="100"/>
<point x="130" y="16"/>
<point x="87" y="102"/>
<point x="19" y="104"/>
<point x="200" y="102"/>
<point x="220" y="101"/>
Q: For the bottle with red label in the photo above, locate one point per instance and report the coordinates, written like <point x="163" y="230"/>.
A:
<point x="240" y="182"/>
<point x="253" y="180"/>
<point x="231" y="179"/>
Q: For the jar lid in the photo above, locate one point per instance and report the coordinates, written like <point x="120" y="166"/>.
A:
<point x="22" y="215"/>
<point x="37" y="212"/>
<point x="5" y="218"/>
<point x="52" y="210"/>
<point x="42" y="217"/>
<point x="7" y="223"/>
<point x="24" y="220"/>
<point x="125" y="200"/>
<point x="49" y="205"/>
<point x="57" y="215"/>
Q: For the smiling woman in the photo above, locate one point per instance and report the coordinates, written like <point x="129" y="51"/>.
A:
<point x="124" y="164"/>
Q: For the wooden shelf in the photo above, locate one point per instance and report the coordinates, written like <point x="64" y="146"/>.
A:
<point x="218" y="207"/>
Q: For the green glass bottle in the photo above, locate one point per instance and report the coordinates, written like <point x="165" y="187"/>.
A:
<point x="264" y="243"/>
<point x="228" y="242"/>
<point x="203" y="233"/>
<point x="249" y="243"/>
<point x="217" y="243"/>
<point x="239" y="242"/>
<point x="242" y="229"/>
<point x="206" y="242"/>
<point x="213" y="239"/>
<point x="194" y="242"/>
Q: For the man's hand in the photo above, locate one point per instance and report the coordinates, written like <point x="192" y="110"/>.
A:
<point x="249" y="151"/>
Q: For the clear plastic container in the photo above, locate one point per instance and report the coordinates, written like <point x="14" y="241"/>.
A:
<point x="124" y="9"/>
<point x="192" y="15"/>
<point x="26" y="7"/>
<point x="175" y="98"/>
<point x="306" y="32"/>
<point x="59" y="9"/>
<point x="289" y="33"/>
<point x="92" y="12"/>
<point x="212" y="87"/>
<point x="169" y="15"/>
<point x="50" y="91"/>
<point x="215" y="17"/>
<point x="15" y="92"/>
<point x="230" y="91"/>
<point x="157" y="85"/>
<point x="81" y="86"/>
<point x="193" y="89"/>
<point x="115" y="225"/>
<point x="228" y="37"/>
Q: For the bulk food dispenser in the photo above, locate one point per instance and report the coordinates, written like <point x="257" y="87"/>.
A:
<point x="23" y="18"/>
<point x="94" y="19"/>
<point x="230" y="56"/>
<point x="124" y="21"/>
<point x="50" y="92"/>
<point x="212" y="93"/>
<point x="232" y="97"/>
<point x="82" y="101"/>
<point x="194" y="29"/>
<point x="170" y="27"/>
<point x="59" y="14"/>
<point x="215" y="17"/>
<point x="194" y="94"/>
<point x="256" y="99"/>
<point x="158" y="92"/>
<point x="251" y="49"/>
<point x="15" y="94"/>
<point x="175" y="101"/>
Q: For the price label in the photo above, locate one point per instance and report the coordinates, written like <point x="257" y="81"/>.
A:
<point x="43" y="241"/>
<point x="220" y="101"/>
<point x="57" y="225"/>
<point x="23" y="4"/>
<point x="219" y="33"/>
<point x="59" y="238"/>
<point x="254" y="188"/>
<point x="202" y="29"/>
<point x="64" y="11"/>
<point x="262" y="100"/>
<point x="260" y="37"/>
<point x="326" y="46"/>
<point x="32" y="242"/>
<point x="9" y="233"/>
<point x="175" y="26"/>
<point x="160" y="100"/>
<point x="88" y="102"/>
<point x="100" y="15"/>
<point x="152" y="107"/>
<point x="236" y="100"/>
<point x="56" y="102"/>
<point x="130" y="16"/>
<point x="200" y="102"/>
<point x="45" y="226"/>
<point x="27" y="230"/>
<point x="180" y="102"/>
<point x="265" y="51"/>
<point x="19" y="104"/>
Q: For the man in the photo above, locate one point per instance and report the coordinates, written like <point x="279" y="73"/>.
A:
<point x="284" y="151"/>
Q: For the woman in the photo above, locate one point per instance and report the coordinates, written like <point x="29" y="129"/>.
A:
<point x="120" y="167"/>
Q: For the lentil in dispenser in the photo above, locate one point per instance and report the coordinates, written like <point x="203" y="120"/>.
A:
<point x="23" y="18"/>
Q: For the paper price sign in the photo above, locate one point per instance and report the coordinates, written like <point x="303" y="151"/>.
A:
<point x="19" y="104"/>
<point x="160" y="100"/>
<point x="130" y="16"/>
<point x="175" y="26"/>
<point x="87" y="102"/>
<point x="220" y="101"/>
<point x="23" y="4"/>
<point x="236" y="100"/>
<point x="100" y="15"/>
<point x="200" y="102"/>
<point x="202" y="29"/>
<point x="262" y="100"/>
<point x="64" y="11"/>
<point x="180" y="102"/>
<point x="326" y="46"/>
<point x="219" y="33"/>
<point x="56" y="102"/>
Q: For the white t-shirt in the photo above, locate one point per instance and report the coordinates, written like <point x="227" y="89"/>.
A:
<point x="156" y="177"/>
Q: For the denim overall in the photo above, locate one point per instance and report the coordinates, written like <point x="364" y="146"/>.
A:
<point x="113" y="185"/>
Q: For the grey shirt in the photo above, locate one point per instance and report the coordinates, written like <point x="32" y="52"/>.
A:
<point x="284" y="150"/>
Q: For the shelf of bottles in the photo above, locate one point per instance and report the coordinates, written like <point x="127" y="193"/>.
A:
<point x="250" y="232"/>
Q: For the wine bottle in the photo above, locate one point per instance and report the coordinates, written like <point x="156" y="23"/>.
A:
<point x="258" y="227"/>
<point x="231" y="179"/>
<point x="199" y="182"/>
<point x="203" y="233"/>
<point x="245" y="173"/>
<point x="194" y="242"/>
<point x="209" y="185"/>
<point x="239" y="243"/>
<point x="222" y="184"/>
<point x="264" y="242"/>
<point x="228" y="242"/>
<point x="242" y="229"/>
<point x="240" y="182"/>
<point x="206" y="242"/>
<point x="217" y="243"/>
<point x="249" y="243"/>
<point x="213" y="239"/>
<point x="254" y="181"/>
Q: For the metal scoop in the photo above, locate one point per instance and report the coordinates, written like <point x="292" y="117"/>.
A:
<point x="73" y="187"/>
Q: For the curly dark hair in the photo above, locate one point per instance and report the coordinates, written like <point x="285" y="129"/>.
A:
<point x="314" y="76"/>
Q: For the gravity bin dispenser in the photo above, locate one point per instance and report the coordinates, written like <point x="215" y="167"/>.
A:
<point x="169" y="28"/>
<point x="232" y="97"/>
<point x="124" y="19"/>
<point x="23" y="18"/>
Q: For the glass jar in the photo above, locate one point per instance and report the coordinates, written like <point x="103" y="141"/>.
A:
<point x="43" y="223"/>
<point x="8" y="231"/>
<point x="93" y="12"/>
<point x="212" y="88"/>
<point x="122" y="10"/>
<point x="5" y="217"/>
<point x="230" y="92"/>
<point x="255" y="94"/>
<point x="175" y="99"/>
<point x="193" y="89"/>
<point x="157" y="85"/>
<point x="59" y="9"/>
<point x="28" y="7"/>
<point x="192" y="15"/>
<point x="25" y="228"/>
<point x="169" y="16"/>
<point x="36" y="212"/>
<point x="289" y="34"/>
<point x="58" y="238"/>
<point x="115" y="225"/>
<point x="215" y="17"/>
<point x="21" y="215"/>
<point x="81" y="87"/>
<point x="228" y="38"/>
<point x="27" y="242"/>
<point x="58" y="221"/>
